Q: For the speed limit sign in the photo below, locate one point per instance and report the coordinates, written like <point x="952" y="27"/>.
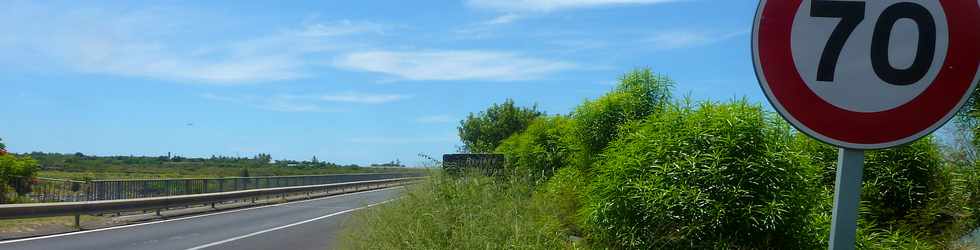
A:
<point x="865" y="75"/>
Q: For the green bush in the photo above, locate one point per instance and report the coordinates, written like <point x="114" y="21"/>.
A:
<point x="900" y="183"/>
<point x="483" y="132"/>
<point x="906" y="186"/>
<point x="541" y="149"/>
<point x="16" y="174"/>
<point x="566" y="191"/>
<point x="711" y="176"/>
<point x="638" y="94"/>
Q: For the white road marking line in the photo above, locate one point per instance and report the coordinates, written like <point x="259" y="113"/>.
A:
<point x="285" y="226"/>
<point x="186" y="218"/>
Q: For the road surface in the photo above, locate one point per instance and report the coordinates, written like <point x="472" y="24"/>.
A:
<point x="307" y="224"/>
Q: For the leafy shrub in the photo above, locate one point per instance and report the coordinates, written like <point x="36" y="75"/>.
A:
<point x="902" y="180"/>
<point x="908" y="185"/>
<point x="483" y="132"/>
<point x="16" y="174"/>
<point x="541" y="149"/>
<point x="566" y="191"/>
<point x="714" y="176"/>
<point x="638" y="94"/>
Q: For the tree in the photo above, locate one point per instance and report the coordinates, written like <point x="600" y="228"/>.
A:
<point x="262" y="158"/>
<point x="483" y="132"/>
<point x="3" y="148"/>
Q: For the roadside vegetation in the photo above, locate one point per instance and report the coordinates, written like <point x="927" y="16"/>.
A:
<point x="16" y="175"/>
<point x="19" y="173"/>
<point x="79" y="166"/>
<point x="639" y="169"/>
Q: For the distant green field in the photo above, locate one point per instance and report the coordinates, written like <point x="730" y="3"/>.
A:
<point x="123" y="172"/>
<point x="83" y="167"/>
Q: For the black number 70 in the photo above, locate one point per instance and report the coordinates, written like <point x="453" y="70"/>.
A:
<point x="851" y="14"/>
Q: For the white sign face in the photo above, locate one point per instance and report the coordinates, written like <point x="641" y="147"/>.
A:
<point x="855" y="86"/>
<point x="867" y="74"/>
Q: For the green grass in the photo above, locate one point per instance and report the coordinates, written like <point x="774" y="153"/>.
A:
<point x="16" y="226"/>
<point x="474" y="212"/>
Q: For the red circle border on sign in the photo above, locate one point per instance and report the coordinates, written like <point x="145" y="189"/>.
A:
<point x="773" y="57"/>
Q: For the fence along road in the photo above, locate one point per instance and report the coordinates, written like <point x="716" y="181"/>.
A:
<point x="307" y="224"/>
<point x="58" y="190"/>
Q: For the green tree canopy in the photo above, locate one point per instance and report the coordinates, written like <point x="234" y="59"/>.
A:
<point x="483" y="132"/>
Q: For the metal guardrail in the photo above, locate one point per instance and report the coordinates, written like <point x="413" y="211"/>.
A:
<point x="58" y="190"/>
<point x="33" y="210"/>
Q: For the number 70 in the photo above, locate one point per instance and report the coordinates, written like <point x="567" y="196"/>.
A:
<point x="852" y="14"/>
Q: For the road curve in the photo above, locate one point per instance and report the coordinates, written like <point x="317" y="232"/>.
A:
<point x="307" y="224"/>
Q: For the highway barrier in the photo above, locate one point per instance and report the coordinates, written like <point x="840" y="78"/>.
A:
<point x="33" y="210"/>
<point x="58" y="190"/>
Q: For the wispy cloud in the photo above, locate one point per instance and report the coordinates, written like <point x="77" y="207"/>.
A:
<point x="435" y="119"/>
<point x="278" y="103"/>
<point x="403" y="140"/>
<point x="305" y="102"/>
<point x="503" y="19"/>
<point x="452" y="65"/>
<point x="363" y="98"/>
<point x="486" y="28"/>
<point x="687" y="39"/>
<point x="553" y="5"/>
<point x="159" y="44"/>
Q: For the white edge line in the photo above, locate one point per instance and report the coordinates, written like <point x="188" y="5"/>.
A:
<point x="186" y="218"/>
<point x="285" y="226"/>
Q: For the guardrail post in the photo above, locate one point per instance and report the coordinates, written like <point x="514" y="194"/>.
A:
<point x="78" y="221"/>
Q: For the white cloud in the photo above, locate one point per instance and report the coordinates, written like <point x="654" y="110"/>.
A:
<point x="435" y="119"/>
<point x="553" y="5"/>
<point x="452" y="65"/>
<point x="504" y="19"/>
<point x="341" y="28"/>
<point x="486" y="28"/>
<point x="402" y="140"/>
<point x="160" y="44"/>
<point x="305" y="102"/>
<point x="363" y="98"/>
<point x="687" y="39"/>
<point x="278" y="103"/>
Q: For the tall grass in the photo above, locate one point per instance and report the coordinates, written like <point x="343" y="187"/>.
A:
<point x="471" y="212"/>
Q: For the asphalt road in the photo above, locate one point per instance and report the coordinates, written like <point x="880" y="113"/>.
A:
<point x="308" y="224"/>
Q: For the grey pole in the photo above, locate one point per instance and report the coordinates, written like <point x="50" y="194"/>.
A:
<point x="847" y="196"/>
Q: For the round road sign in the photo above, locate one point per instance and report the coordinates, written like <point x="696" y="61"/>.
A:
<point x="867" y="74"/>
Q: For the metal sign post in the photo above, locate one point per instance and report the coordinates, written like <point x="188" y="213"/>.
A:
<point x="847" y="196"/>
<point x="862" y="75"/>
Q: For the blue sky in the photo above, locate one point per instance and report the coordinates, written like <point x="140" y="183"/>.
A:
<point x="347" y="81"/>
